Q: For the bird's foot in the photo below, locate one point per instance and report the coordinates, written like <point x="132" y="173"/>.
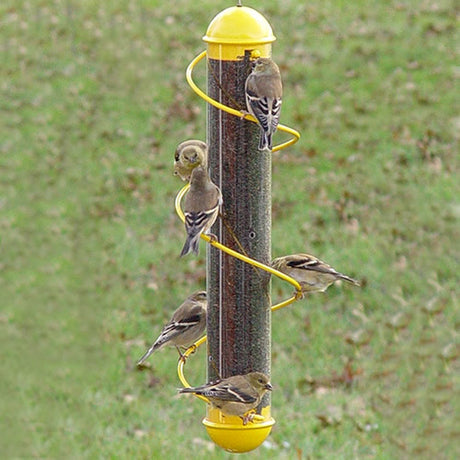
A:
<point x="193" y="349"/>
<point x="182" y="357"/>
<point x="249" y="417"/>
<point x="299" y="295"/>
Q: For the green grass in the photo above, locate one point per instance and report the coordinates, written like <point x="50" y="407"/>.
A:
<point x="93" y="103"/>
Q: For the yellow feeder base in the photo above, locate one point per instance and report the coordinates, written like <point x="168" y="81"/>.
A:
<point x="229" y="432"/>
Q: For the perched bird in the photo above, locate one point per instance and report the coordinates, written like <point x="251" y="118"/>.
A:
<point x="185" y="327"/>
<point x="312" y="274"/>
<point x="201" y="207"/>
<point x="235" y="395"/>
<point x="189" y="154"/>
<point x="263" y="98"/>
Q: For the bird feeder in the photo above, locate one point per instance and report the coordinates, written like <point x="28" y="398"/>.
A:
<point x="238" y="264"/>
<point x="239" y="317"/>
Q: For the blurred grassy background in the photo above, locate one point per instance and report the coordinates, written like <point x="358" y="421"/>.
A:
<point x="93" y="104"/>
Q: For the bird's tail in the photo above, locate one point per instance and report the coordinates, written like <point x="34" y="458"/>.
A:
<point x="350" y="280"/>
<point x="154" y="347"/>
<point x="265" y="141"/>
<point x="191" y="244"/>
<point x="186" y="390"/>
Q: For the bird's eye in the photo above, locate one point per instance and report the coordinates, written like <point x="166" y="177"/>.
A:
<point x="176" y="156"/>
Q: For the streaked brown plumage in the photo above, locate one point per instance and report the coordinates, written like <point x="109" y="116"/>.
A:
<point x="312" y="274"/>
<point x="235" y="395"/>
<point x="264" y="90"/>
<point x="201" y="207"/>
<point x="185" y="327"/>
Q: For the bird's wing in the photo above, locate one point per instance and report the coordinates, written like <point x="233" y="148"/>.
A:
<point x="196" y="221"/>
<point x="309" y="263"/>
<point x="276" y="111"/>
<point x="228" y="392"/>
<point x="174" y="328"/>
<point x="260" y="109"/>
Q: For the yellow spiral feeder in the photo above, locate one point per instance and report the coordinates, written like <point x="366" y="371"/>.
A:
<point x="230" y="35"/>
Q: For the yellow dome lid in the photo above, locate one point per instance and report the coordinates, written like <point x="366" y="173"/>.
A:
<point x="239" y="25"/>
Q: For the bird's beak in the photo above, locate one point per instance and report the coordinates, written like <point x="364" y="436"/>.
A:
<point x="269" y="387"/>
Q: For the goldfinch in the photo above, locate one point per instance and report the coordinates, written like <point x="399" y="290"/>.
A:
<point x="236" y="395"/>
<point x="185" y="327"/>
<point x="312" y="274"/>
<point x="201" y="207"/>
<point x="264" y="90"/>
<point x="189" y="154"/>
